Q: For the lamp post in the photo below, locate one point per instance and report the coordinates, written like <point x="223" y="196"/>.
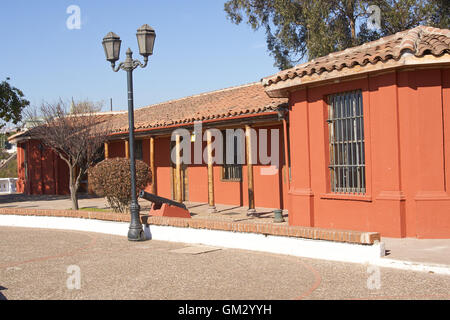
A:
<point x="111" y="43"/>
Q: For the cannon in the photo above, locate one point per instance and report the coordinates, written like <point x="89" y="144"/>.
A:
<point x="165" y="207"/>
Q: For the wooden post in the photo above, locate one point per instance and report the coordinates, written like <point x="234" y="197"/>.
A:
<point x="251" y="194"/>
<point x="106" y="150"/>
<point x="211" y="201"/>
<point x="152" y="164"/>
<point x="178" y="195"/>
<point x="127" y="150"/>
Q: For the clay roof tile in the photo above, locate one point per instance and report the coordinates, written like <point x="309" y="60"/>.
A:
<point x="419" y="41"/>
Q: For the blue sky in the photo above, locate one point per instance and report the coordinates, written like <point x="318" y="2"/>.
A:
<point x="197" y="49"/>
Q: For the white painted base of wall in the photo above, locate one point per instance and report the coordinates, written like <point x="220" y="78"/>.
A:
<point x="316" y="249"/>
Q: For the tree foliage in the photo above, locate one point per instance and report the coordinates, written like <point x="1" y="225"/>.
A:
<point x="12" y="103"/>
<point x="111" y="178"/>
<point x="303" y="29"/>
<point x="8" y="169"/>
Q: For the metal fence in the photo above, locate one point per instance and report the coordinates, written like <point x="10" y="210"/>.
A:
<point x="8" y="185"/>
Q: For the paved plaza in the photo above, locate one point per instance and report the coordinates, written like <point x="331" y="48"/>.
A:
<point x="197" y="210"/>
<point x="430" y="251"/>
<point x="41" y="264"/>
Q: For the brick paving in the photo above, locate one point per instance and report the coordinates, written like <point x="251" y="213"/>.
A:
<point x="197" y="210"/>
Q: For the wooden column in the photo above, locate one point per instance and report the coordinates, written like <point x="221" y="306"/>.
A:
<point x="178" y="194"/>
<point x="251" y="195"/>
<point x="106" y="150"/>
<point x="211" y="201"/>
<point x="152" y="164"/>
<point x="127" y="149"/>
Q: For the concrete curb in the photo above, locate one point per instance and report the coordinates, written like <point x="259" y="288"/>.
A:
<point x="313" y="233"/>
<point x="317" y="249"/>
<point x="413" y="266"/>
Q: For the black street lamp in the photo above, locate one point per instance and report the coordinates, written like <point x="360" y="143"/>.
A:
<point x="111" y="43"/>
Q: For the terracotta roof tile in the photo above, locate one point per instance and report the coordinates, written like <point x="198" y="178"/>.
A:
<point x="418" y="41"/>
<point x="103" y="120"/>
<point x="236" y="101"/>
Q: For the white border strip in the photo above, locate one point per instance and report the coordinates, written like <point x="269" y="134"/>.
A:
<point x="316" y="249"/>
<point x="413" y="266"/>
<point x="64" y="223"/>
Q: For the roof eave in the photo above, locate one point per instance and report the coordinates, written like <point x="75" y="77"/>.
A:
<point x="18" y="137"/>
<point x="254" y="118"/>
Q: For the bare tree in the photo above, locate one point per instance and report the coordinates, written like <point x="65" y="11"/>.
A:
<point x="76" y="134"/>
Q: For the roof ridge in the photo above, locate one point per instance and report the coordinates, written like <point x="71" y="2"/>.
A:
<point x="419" y="30"/>
<point x="419" y="41"/>
<point x="200" y="94"/>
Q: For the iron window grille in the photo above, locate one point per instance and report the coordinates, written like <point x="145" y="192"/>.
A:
<point x="346" y="143"/>
<point x="231" y="172"/>
<point x="139" y="155"/>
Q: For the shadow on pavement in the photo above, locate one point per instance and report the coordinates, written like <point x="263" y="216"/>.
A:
<point x="2" y="297"/>
<point x="19" y="197"/>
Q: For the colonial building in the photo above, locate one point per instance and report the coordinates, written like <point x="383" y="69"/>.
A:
<point x="361" y="138"/>
<point x="40" y="169"/>
<point x="244" y="107"/>
<point x="370" y="136"/>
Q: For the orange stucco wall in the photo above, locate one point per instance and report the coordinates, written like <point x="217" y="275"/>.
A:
<point x="116" y="149"/>
<point x="40" y="170"/>
<point x="406" y="122"/>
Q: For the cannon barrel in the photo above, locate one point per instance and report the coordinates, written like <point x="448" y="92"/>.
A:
<point x="159" y="200"/>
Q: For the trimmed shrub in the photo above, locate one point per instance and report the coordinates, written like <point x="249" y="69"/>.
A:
<point x="111" y="178"/>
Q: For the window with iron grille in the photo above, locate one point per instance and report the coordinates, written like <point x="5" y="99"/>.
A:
<point x="346" y="142"/>
<point x="231" y="172"/>
<point x="139" y="155"/>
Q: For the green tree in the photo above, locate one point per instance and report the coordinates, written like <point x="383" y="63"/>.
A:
<point x="303" y="29"/>
<point x="12" y="103"/>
